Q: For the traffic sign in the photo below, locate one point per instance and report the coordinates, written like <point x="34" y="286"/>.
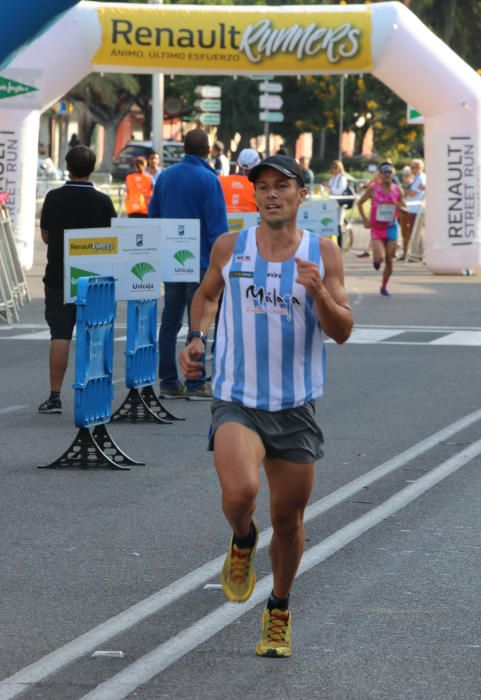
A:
<point x="413" y="116"/>
<point x="271" y="117"/>
<point x="208" y="105"/>
<point x="172" y="106"/>
<point x="209" y="118"/>
<point x="270" y="87"/>
<point x="209" y="91"/>
<point x="270" y="101"/>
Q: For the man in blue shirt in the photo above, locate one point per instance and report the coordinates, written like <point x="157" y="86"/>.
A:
<point x="187" y="190"/>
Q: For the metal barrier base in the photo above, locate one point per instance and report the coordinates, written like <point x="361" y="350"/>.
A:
<point x="89" y="450"/>
<point x="149" y="397"/>
<point x="138" y="409"/>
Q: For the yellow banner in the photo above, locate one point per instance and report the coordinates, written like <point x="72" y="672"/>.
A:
<point x="93" y="246"/>
<point x="234" y="41"/>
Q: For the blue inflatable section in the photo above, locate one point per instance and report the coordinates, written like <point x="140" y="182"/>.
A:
<point x="94" y="351"/>
<point x="23" y="20"/>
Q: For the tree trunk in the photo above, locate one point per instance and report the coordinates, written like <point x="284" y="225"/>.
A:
<point x="109" y="146"/>
<point x="86" y="124"/>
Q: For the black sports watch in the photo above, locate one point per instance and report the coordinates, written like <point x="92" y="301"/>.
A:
<point x="196" y="334"/>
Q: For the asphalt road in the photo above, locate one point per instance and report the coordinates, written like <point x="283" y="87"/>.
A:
<point x="387" y="605"/>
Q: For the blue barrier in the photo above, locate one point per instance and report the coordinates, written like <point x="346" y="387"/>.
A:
<point x="93" y="380"/>
<point x="94" y="355"/>
<point x="141" y="367"/>
<point x="142" y="355"/>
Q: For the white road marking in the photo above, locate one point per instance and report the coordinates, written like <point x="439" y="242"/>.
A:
<point x="51" y="663"/>
<point x="39" y="335"/>
<point x="459" y="338"/>
<point x="371" y="335"/>
<point x="362" y="334"/>
<point x="12" y="409"/>
<point x="160" y="658"/>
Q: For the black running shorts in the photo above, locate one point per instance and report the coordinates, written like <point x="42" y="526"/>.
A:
<point x="59" y="316"/>
<point x="292" y="435"/>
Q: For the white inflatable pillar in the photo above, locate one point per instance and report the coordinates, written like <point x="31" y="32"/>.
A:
<point x="428" y="75"/>
<point x="18" y="175"/>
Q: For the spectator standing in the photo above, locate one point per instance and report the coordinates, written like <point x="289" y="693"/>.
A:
<point x="139" y="190"/>
<point x="221" y="162"/>
<point x="268" y="371"/>
<point x="337" y="185"/>
<point x="77" y="204"/>
<point x="405" y="220"/>
<point x="238" y="190"/>
<point x="74" y="141"/>
<point x="187" y="190"/>
<point x="307" y="174"/>
<point x="416" y="193"/>
<point x="153" y="166"/>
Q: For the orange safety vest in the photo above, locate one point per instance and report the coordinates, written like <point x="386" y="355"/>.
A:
<point x="139" y="191"/>
<point x="238" y="193"/>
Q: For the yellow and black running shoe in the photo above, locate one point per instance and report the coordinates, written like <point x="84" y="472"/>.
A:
<point x="276" y="634"/>
<point x="238" y="575"/>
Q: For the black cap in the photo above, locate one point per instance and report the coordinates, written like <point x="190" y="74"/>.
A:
<point x="285" y="165"/>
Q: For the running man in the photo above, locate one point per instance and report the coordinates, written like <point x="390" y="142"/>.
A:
<point x="283" y="293"/>
<point x="386" y="200"/>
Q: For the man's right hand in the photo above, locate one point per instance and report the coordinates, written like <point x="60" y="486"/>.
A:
<point x="189" y="359"/>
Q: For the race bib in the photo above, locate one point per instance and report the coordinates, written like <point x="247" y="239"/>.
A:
<point x="385" y="213"/>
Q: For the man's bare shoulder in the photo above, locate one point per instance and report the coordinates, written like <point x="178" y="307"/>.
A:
<point x="224" y="245"/>
<point x="330" y="252"/>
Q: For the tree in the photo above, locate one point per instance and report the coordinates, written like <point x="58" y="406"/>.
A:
<point x="107" y="98"/>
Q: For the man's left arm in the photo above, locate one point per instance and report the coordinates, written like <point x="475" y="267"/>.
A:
<point x="329" y="295"/>
<point x="154" y="204"/>
<point x="214" y="211"/>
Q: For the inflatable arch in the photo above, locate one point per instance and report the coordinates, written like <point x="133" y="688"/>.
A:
<point x="384" y="38"/>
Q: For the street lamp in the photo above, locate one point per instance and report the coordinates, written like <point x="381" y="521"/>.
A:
<point x="158" y="108"/>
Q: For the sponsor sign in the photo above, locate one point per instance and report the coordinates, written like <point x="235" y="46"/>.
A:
<point x="10" y="170"/>
<point x="20" y="88"/>
<point x="461" y="200"/>
<point x="227" y="38"/>
<point x="238" y="221"/>
<point x="319" y="216"/>
<point x="139" y="253"/>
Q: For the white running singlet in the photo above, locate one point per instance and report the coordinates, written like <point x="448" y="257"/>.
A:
<point x="269" y="351"/>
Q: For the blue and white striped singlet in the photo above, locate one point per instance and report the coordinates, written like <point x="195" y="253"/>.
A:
<point x="269" y="350"/>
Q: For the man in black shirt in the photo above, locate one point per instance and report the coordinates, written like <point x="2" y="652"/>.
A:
<point x="75" y="205"/>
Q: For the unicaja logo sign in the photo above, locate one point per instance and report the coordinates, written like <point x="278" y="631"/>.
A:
<point x="141" y="269"/>
<point x="183" y="255"/>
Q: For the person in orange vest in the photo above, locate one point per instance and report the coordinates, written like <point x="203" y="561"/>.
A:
<point x="139" y="190"/>
<point x="238" y="191"/>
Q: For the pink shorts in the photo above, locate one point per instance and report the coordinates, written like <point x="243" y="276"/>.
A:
<point x="390" y="233"/>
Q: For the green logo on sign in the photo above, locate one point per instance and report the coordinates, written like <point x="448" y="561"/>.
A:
<point x="140" y="270"/>
<point x="182" y="255"/>
<point x="75" y="274"/>
<point x="11" y="88"/>
<point x="326" y="221"/>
